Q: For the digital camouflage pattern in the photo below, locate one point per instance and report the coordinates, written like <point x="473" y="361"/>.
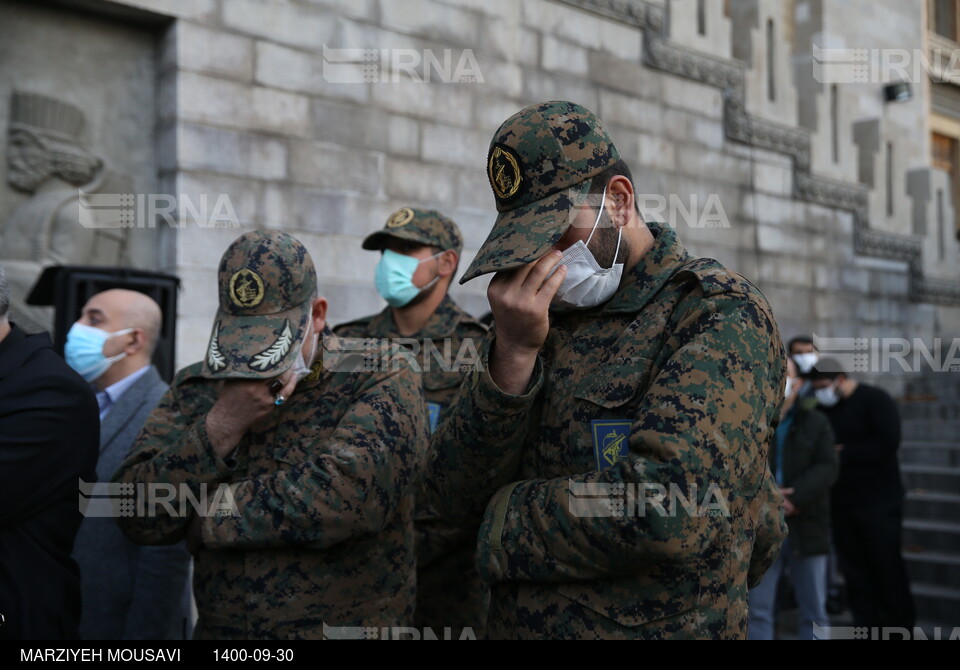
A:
<point x="687" y="359"/>
<point x="449" y="592"/>
<point x="324" y="489"/>
<point x="423" y="226"/>
<point x="266" y="281"/>
<point x="448" y="323"/>
<point x="541" y="161"/>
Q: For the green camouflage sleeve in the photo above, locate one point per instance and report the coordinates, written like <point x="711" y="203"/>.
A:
<point x="700" y="427"/>
<point x="171" y="449"/>
<point x="476" y="448"/>
<point x="350" y="485"/>
<point x="771" y="531"/>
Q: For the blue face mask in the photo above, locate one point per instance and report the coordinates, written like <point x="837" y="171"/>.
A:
<point x="84" y="351"/>
<point x="394" y="278"/>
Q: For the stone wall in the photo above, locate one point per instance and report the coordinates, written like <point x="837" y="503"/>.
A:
<point x="248" y="110"/>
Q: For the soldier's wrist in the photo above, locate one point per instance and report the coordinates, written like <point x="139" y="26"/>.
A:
<point x="511" y="368"/>
<point x="223" y="437"/>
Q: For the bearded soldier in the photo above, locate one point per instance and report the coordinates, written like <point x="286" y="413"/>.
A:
<point x="613" y="438"/>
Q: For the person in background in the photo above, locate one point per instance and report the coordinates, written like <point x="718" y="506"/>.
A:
<point x="48" y="441"/>
<point x="420" y="251"/>
<point x="804" y="463"/>
<point x="867" y="500"/>
<point x="803" y="352"/>
<point x="805" y="355"/>
<point x="129" y="592"/>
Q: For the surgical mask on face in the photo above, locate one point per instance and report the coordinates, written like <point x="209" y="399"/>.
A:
<point x="805" y="362"/>
<point x="84" y="351"/>
<point x="790" y="386"/>
<point x="394" y="277"/>
<point x="300" y="367"/>
<point x="828" y="397"/>
<point x="587" y="284"/>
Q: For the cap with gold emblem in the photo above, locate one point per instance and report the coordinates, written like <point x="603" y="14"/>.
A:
<point x="425" y="226"/>
<point x="266" y="282"/>
<point x="541" y="161"/>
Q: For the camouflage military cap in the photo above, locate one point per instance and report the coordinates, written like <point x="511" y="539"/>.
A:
<point x="266" y="281"/>
<point x="541" y="160"/>
<point x="426" y="226"/>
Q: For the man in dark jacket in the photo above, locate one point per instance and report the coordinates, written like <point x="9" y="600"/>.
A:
<point x="129" y="592"/>
<point x="48" y="441"/>
<point x="804" y="463"/>
<point x="867" y="500"/>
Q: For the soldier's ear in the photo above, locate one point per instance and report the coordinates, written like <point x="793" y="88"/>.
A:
<point x="319" y="314"/>
<point x="620" y="194"/>
<point x="448" y="262"/>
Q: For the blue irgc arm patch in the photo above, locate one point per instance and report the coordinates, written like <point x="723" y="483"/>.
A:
<point x="611" y="441"/>
<point x="434" y="410"/>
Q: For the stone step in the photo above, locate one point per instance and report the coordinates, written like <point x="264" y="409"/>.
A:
<point x="931" y="478"/>
<point x="944" y="386"/>
<point x="946" y="394"/>
<point x="925" y="535"/>
<point x="932" y="506"/>
<point x="933" y="567"/>
<point x="940" y="409"/>
<point x="936" y="603"/>
<point x="931" y="453"/>
<point x="937" y="430"/>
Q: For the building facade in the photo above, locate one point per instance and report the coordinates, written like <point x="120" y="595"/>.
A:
<point x="758" y="128"/>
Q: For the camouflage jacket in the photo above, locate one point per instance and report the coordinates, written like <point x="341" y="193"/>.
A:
<point x="449" y="593"/>
<point x="323" y="491"/>
<point x="453" y="338"/>
<point x="672" y="386"/>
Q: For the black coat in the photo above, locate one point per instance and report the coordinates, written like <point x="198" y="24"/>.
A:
<point x="129" y="592"/>
<point x="809" y="466"/>
<point x="49" y="437"/>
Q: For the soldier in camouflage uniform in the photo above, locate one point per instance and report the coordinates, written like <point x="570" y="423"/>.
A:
<point x="309" y="468"/>
<point x="421" y="312"/>
<point x="596" y="396"/>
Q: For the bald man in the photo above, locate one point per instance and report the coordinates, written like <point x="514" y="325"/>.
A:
<point x="129" y="592"/>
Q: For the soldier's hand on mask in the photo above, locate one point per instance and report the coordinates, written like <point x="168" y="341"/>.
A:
<point x="240" y="405"/>
<point x="520" y="302"/>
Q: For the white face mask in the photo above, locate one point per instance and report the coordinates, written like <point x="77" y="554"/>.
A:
<point x="828" y="397"/>
<point x="805" y="362"/>
<point x="300" y="368"/>
<point x="587" y="284"/>
<point x="788" y="389"/>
